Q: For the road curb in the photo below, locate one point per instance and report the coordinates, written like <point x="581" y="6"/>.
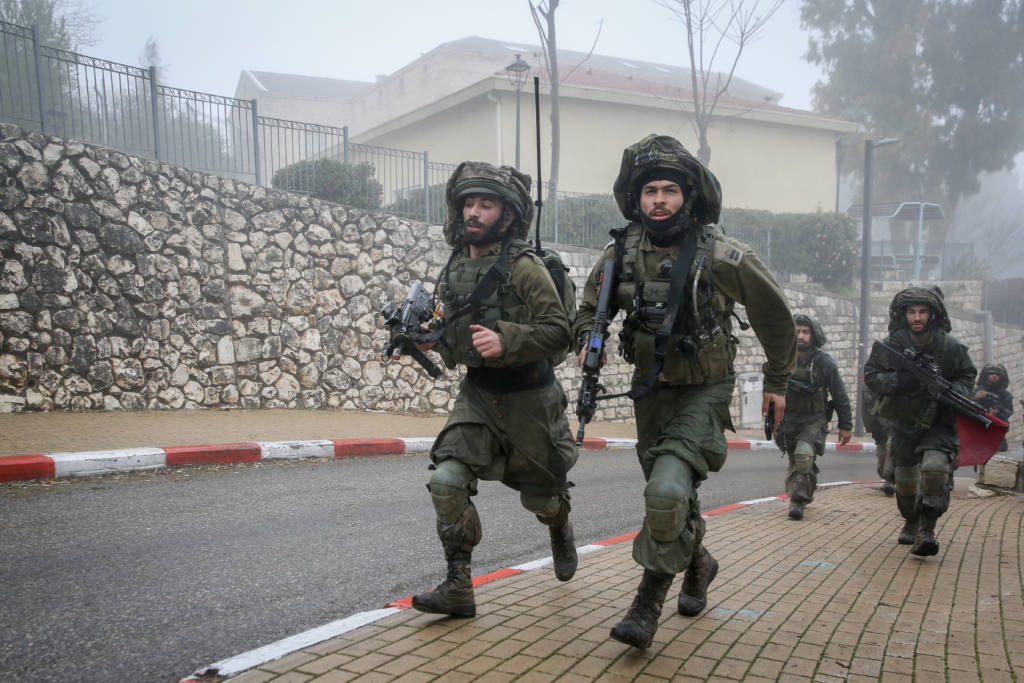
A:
<point x="87" y="463"/>
<point x="276" y="650"/>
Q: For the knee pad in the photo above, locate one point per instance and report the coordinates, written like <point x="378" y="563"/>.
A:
<point x="667" y="509"/>
<point x="906" y="479"/>
<point x="449" y="490"/>
<point x="934" y="473"/>
<point x="803" y="457"/>
<point x="542" y="506"/>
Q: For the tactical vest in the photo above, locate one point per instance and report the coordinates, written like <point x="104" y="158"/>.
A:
<point x="458" y="284"/>
<point x="701" y="348"/>
<point x="806" y="393"/>
<point x="917" y="412"/>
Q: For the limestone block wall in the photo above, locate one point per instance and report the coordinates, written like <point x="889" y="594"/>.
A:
<point x="129" y="284"/>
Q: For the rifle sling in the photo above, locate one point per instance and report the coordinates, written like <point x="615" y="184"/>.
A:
<point x="680" y="270"/>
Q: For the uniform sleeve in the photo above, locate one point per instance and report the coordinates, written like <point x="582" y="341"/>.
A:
<point x="1005" y="406"/>
<point x="743" y="277"/>
<point x="585" y="311"/>
<point x="547" y="332"/>
<point x="840" y="399"/>
<point x="879" y="378"/>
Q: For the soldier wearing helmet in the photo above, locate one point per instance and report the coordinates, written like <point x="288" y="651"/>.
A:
<point x="508" y="423"/>
<point x="680" y="278"/>
<point x="993" y="395"/>
<point x="801" y="435"/>
<point x="923" y="440"/>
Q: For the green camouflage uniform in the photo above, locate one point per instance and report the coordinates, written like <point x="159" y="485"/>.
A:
<point x="923" y="437"/>
<point x="880" y="435"/>
<point x="681" y="423"/>
<point x="997" y="399"/>
<point x="508" y="423"/>
<point x="803" y="430"/>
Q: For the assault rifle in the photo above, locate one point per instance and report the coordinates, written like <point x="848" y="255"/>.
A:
<point x="406" y="322"/>
<point x="589" y="389"/>
<point x="927" y="371"/>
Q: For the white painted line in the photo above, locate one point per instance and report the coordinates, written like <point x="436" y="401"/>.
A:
<point x="267" y="653"/>
<point x="296" y="449"/>
<point x="584" y="549"/>
<point x="418" y="444"/>
<point x="763" y="446"/>
<point x="758" y="500"/>
<point x="620" y="443"/>
<point x="535" y="564"/>
<point x="86" y="463"/>
<point x="834" y="483"/>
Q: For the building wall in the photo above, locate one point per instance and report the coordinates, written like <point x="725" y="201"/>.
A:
<point x="764" y="160"/>
<point x="129" y="284"/>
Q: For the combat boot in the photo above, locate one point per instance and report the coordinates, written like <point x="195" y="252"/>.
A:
<point x="925" y="543"/>
<point x="563" y="551"/>
<point x="908" y="533"/>
<point x="637" y="628"/>
<point x="796" y="510"/>
<point x="455" y="594"/>
<point x="693" y="596"/>
<point x="888" y="489"/>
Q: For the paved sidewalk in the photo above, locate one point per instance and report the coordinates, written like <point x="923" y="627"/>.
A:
<point x="58" y="444"/>
<point x="830" y="598"/>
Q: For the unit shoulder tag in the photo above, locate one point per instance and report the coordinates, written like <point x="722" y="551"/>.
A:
<point x="729" y="253"/>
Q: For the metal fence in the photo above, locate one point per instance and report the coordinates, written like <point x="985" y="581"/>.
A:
<point x="125" y="108"/>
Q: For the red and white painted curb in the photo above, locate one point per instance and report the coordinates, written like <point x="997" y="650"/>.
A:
<point x="248" y="660"/>
<point x="81" y="464"/>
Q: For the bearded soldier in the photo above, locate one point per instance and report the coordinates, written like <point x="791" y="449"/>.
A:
<point x="808" y="411"/>
<point x="923" y="438"/>
<point x="991" y="392"/>
<point x="680" y="277"/>
<point x="505" y="322"/>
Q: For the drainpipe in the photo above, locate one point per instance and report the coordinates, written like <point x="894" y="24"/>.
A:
<point x="990" y="352"/>
<point x="497" y="123"/>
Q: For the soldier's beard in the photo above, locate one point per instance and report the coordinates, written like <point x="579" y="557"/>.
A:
<point x="489" y="235"/>
<point x="803" y="346"/>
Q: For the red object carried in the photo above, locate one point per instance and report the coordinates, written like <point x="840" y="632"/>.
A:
<point x="978" y="443"/>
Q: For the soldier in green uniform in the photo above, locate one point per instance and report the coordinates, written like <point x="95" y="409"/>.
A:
<point x="923" y="436"/>
<point x="992" y="393"/>
<point x="504" y="320"/>
<point x="678" y="335"/>
<point x="880" y="435"/>
<point x="808" y="411"/>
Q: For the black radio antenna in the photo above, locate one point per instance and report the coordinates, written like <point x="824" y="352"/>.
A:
<point x="540" y="185"/>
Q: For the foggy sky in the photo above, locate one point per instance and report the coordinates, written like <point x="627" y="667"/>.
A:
<point x="204" y="45"/>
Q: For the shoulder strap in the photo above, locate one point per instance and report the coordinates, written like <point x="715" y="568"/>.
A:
<point x="495" y="275"/>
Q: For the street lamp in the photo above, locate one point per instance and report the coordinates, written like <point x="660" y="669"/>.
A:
<point x="841" y="145"/>
<point x="865" y="279"/>
<point x="517" y="72"/>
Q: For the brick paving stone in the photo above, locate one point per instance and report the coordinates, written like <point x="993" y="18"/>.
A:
<point x="252" y="676"/>
<point x="833" y="599"/>
<point x="339" y="676"/>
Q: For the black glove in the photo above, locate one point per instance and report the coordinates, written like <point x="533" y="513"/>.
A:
<point x="906" y="382"/>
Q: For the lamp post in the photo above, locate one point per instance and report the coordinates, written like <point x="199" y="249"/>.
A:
<point x="517" y="72"/>
<point x="841" y="145"/>
<point x="865" y="279"/>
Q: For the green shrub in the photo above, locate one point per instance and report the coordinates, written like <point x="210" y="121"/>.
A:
<point x="823" y="246"/>
<point x="333" y="181"/>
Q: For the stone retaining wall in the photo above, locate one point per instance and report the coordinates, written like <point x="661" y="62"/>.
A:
<point x="129" y="284"/>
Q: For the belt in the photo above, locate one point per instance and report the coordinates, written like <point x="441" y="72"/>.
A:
<point x="534" y="375"/>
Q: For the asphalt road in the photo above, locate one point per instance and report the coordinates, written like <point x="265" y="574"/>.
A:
<point x="149" y="576"/>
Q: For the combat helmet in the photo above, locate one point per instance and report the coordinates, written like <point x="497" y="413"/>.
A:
<point x="818" y="338"/>
<point x="661" y="156"/>
<point x="919" y="294"/>
<point x="480" y="177"/>
<point x="999" y="369"/>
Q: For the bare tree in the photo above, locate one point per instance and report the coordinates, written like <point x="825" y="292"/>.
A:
<point x="711" y="26"/>
<point x="545" y="9"/>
